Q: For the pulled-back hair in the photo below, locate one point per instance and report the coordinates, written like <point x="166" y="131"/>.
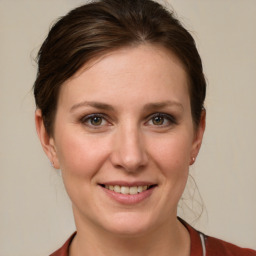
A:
<point x="99" y="27"/>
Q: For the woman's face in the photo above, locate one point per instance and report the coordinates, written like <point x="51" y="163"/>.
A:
<point x="124" y="139"/>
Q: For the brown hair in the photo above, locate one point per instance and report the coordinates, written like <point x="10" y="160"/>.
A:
<point x="102" y="26"/>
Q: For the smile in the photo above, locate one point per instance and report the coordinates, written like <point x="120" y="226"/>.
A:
<point x="125" y="190"/>
<point x="128" y="193"/>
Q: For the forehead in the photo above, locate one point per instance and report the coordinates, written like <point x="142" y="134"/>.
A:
<point x="147" y="70"/>
<point x="151" y="53"/>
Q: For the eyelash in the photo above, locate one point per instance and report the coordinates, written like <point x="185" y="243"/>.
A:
<point x="170" y="119"/>
<point x="89" y="118"/>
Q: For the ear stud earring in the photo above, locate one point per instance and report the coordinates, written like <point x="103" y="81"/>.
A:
<point x="193" y="159"/>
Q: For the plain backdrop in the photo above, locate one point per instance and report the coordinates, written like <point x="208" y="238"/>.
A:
<point x="35" y="213"/>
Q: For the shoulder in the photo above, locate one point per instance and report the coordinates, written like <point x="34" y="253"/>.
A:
<point x="63" y="251"/>
<point x="219" y="247"/>
<point x="206" y="245"/>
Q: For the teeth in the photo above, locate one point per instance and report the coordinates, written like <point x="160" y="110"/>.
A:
<point x="127" y="190"/>
<point x="140" y="189"/>
<point x="133" y="190"/>
<point x="117" y="189"/>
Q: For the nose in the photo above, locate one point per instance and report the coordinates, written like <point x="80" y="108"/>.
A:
<point x="129" y="151"/>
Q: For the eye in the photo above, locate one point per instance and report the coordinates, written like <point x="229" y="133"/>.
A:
<point x="161" y="119"/>
<point x="94" y="120"/>
<point x="158" y="120"/>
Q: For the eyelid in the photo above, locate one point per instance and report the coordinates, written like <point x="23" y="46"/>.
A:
<point x="169" y="117"/>
<point x="86" y="118"/>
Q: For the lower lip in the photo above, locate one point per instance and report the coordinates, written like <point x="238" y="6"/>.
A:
<point x="129" y="199"/>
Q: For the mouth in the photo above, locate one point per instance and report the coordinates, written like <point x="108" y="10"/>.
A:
<point x="128" y="190"/>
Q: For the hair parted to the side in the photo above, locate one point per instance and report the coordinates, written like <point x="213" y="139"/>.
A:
<point x="103" y="26"/>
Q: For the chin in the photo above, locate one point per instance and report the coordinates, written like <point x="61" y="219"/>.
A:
<point x="130" y="224"/>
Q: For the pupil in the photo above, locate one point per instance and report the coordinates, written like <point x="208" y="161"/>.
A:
<point x="96" y="120"/>
<point x="158" y="120"/>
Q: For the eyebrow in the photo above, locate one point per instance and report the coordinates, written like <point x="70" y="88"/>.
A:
<point x="147" y="107"/>
<point x="93" y="104"/>
<point x="164" y="104"/>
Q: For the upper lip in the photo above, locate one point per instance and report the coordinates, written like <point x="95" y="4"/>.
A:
<point x="128" y="184"/>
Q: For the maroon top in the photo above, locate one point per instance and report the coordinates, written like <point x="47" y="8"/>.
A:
<point x="200" y="243"/>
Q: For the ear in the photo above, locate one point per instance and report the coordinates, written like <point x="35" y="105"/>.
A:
<point x="199" y="133"/>
<point x="47" y="141"/>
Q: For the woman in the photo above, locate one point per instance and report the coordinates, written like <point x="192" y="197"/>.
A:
<point x="120" y="110"/>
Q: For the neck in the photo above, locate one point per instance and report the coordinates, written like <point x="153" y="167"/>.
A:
<point x="172" y="238"/>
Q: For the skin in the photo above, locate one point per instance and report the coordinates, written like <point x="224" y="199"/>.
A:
<point x="126" y="144"/>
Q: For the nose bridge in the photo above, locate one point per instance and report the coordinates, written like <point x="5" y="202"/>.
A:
<point x="129" y="151"/>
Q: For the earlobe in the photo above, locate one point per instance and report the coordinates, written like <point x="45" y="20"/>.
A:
<point x="46" y="140"/>
<point x="198" y="137"/>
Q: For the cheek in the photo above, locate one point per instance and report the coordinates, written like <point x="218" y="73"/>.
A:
<point x="81" y="155"/>
<point x="172" y="153"/>
<point x="172" y="157"/>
